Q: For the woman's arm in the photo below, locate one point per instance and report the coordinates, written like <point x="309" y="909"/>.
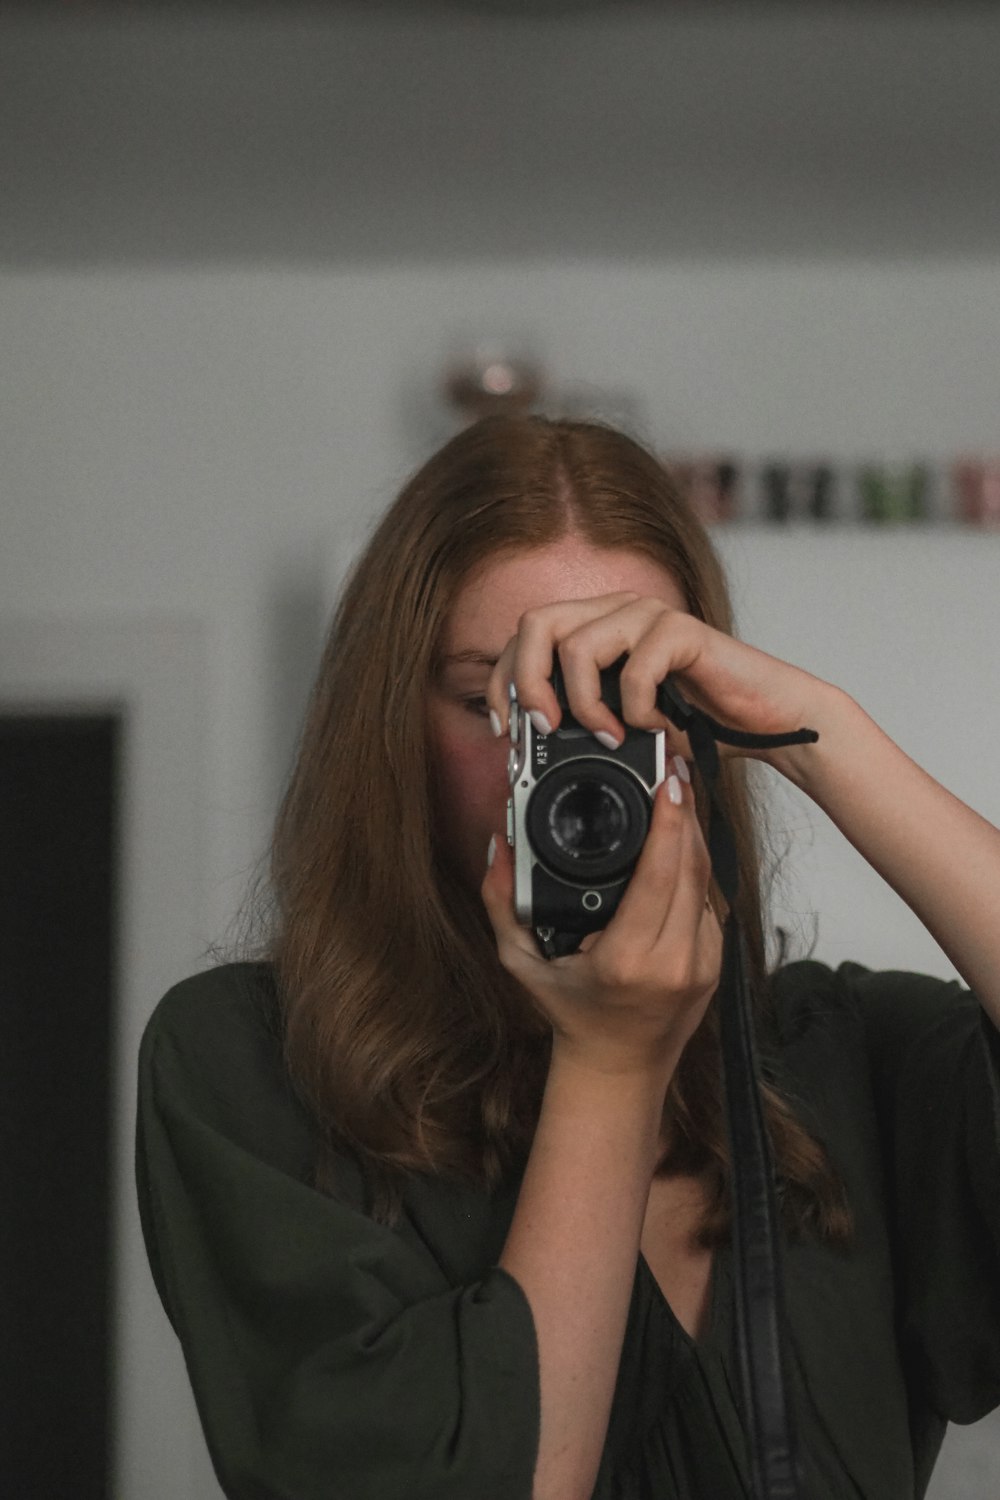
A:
<point x="573" y="1246"/>
<point x="622" y="1011"/>
<point x="942" y="858"/>
<point x="935" y="852"/>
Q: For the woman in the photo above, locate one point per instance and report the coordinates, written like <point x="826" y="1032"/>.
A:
<point x="434" y="1216"/>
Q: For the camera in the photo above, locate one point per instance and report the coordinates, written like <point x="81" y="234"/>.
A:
<point x="578" y="814"/>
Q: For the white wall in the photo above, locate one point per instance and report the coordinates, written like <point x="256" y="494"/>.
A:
<point x="229" y="278"/>
<point x="201" y="442"/>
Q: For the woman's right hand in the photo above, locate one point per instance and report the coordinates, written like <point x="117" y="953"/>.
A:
<point x="637" y="990"/>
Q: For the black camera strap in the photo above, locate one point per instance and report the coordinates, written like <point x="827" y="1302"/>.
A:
<point x="760" y="1303"/>
<point x="760" y="1309"/>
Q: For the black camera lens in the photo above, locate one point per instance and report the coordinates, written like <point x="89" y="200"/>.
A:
<point x="587" y="821"/>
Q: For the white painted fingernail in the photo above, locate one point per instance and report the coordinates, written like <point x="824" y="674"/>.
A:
<point x="495" y="724"/>
<point x="607" y="740"/>
<point x="674" y="791"/>
<point x="682" y="769"/>
<point x="541" y="723"/>
<point x="491" y="851"/>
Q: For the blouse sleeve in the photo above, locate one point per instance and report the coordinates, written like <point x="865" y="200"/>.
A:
<point x="935" y="1067"/>
<point x="328" y="1354"/>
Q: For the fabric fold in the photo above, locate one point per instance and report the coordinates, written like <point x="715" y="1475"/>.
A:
<point x="332" y="1355"/>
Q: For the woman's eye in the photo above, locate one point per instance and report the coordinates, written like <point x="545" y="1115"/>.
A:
<point x="477" y="706"/>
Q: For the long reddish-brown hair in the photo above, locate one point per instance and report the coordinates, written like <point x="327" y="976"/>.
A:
<point x="413" y="1049"/>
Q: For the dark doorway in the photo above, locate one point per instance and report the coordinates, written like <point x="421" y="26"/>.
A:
<point x="58" y="856"/>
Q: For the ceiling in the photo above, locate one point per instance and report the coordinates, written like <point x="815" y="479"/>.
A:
<point x="511" y="9"/>
<point x="152" y="133"/>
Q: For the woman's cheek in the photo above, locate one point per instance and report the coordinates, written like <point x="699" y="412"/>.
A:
<point x="474" y="797"/>
<point x="479" y="779"/>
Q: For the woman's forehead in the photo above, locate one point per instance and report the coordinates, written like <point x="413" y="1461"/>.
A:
<point x="490" y="603"/>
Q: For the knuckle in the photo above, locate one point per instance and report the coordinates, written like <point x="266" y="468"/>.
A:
<point x="633" y="674"/>
<point x="533" y="618"/>
<point x="637" y="707"/>
<point x="682" y="974"/>
<point x="572" y="647"/>
<point x="617" y="967"/>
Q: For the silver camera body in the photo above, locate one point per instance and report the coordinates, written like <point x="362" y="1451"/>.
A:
<point x="578" y="814"/>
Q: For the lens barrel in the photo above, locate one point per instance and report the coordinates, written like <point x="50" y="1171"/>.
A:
<point x="587" y="820"/>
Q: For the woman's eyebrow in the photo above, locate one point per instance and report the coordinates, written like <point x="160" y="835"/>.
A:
<point x="476" y="658"/>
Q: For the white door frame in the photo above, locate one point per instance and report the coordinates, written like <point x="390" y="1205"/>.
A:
<point x="152" y="671"/>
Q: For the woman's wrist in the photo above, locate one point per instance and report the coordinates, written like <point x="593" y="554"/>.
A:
<point x="621" y="1066"/>
<point x="841" y="723"/>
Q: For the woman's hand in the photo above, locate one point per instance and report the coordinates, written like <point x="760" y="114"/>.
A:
<point x="635" y="993"/>
<point x="735" y="683"/>
<point x="638" y="989"/>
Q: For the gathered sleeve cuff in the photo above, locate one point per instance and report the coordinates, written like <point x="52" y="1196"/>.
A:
<point x="328" y="1356"/>
<point x="935" y="1062"/>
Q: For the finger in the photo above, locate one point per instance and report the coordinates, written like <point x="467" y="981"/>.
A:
<point x="507" y="676"/>
<point x="515" y="944"/>
<point x="706" y="953"/>
<point x="584" y="653"/>
<point x="691" y="924"/>
<point x="662" y="646"/>
<point x="670" y="880"/>
<point x="691" y="905"/>
<point x="591" y="647"/>
<point x="540" y="632"/>
<point x="497" y="688"/>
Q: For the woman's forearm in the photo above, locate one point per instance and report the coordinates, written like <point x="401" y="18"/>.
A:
<point x="573" y="1246"/>
<point x="942" y="858"/>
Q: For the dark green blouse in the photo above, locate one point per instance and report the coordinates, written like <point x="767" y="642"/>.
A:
<point x="333" y="1358"/>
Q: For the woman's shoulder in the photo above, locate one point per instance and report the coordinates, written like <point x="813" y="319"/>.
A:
<point x="228" y="1014"/>
<point x="807" y="991"/>
<point x="212" y="1051"/>
<point x="808" y="981"/>
<point x="231" y="995"/>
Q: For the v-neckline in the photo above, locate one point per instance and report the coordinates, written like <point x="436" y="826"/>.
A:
<point x="710" y="1336"/>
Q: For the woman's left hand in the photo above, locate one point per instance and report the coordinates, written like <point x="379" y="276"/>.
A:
<point x="735" y="683"/>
